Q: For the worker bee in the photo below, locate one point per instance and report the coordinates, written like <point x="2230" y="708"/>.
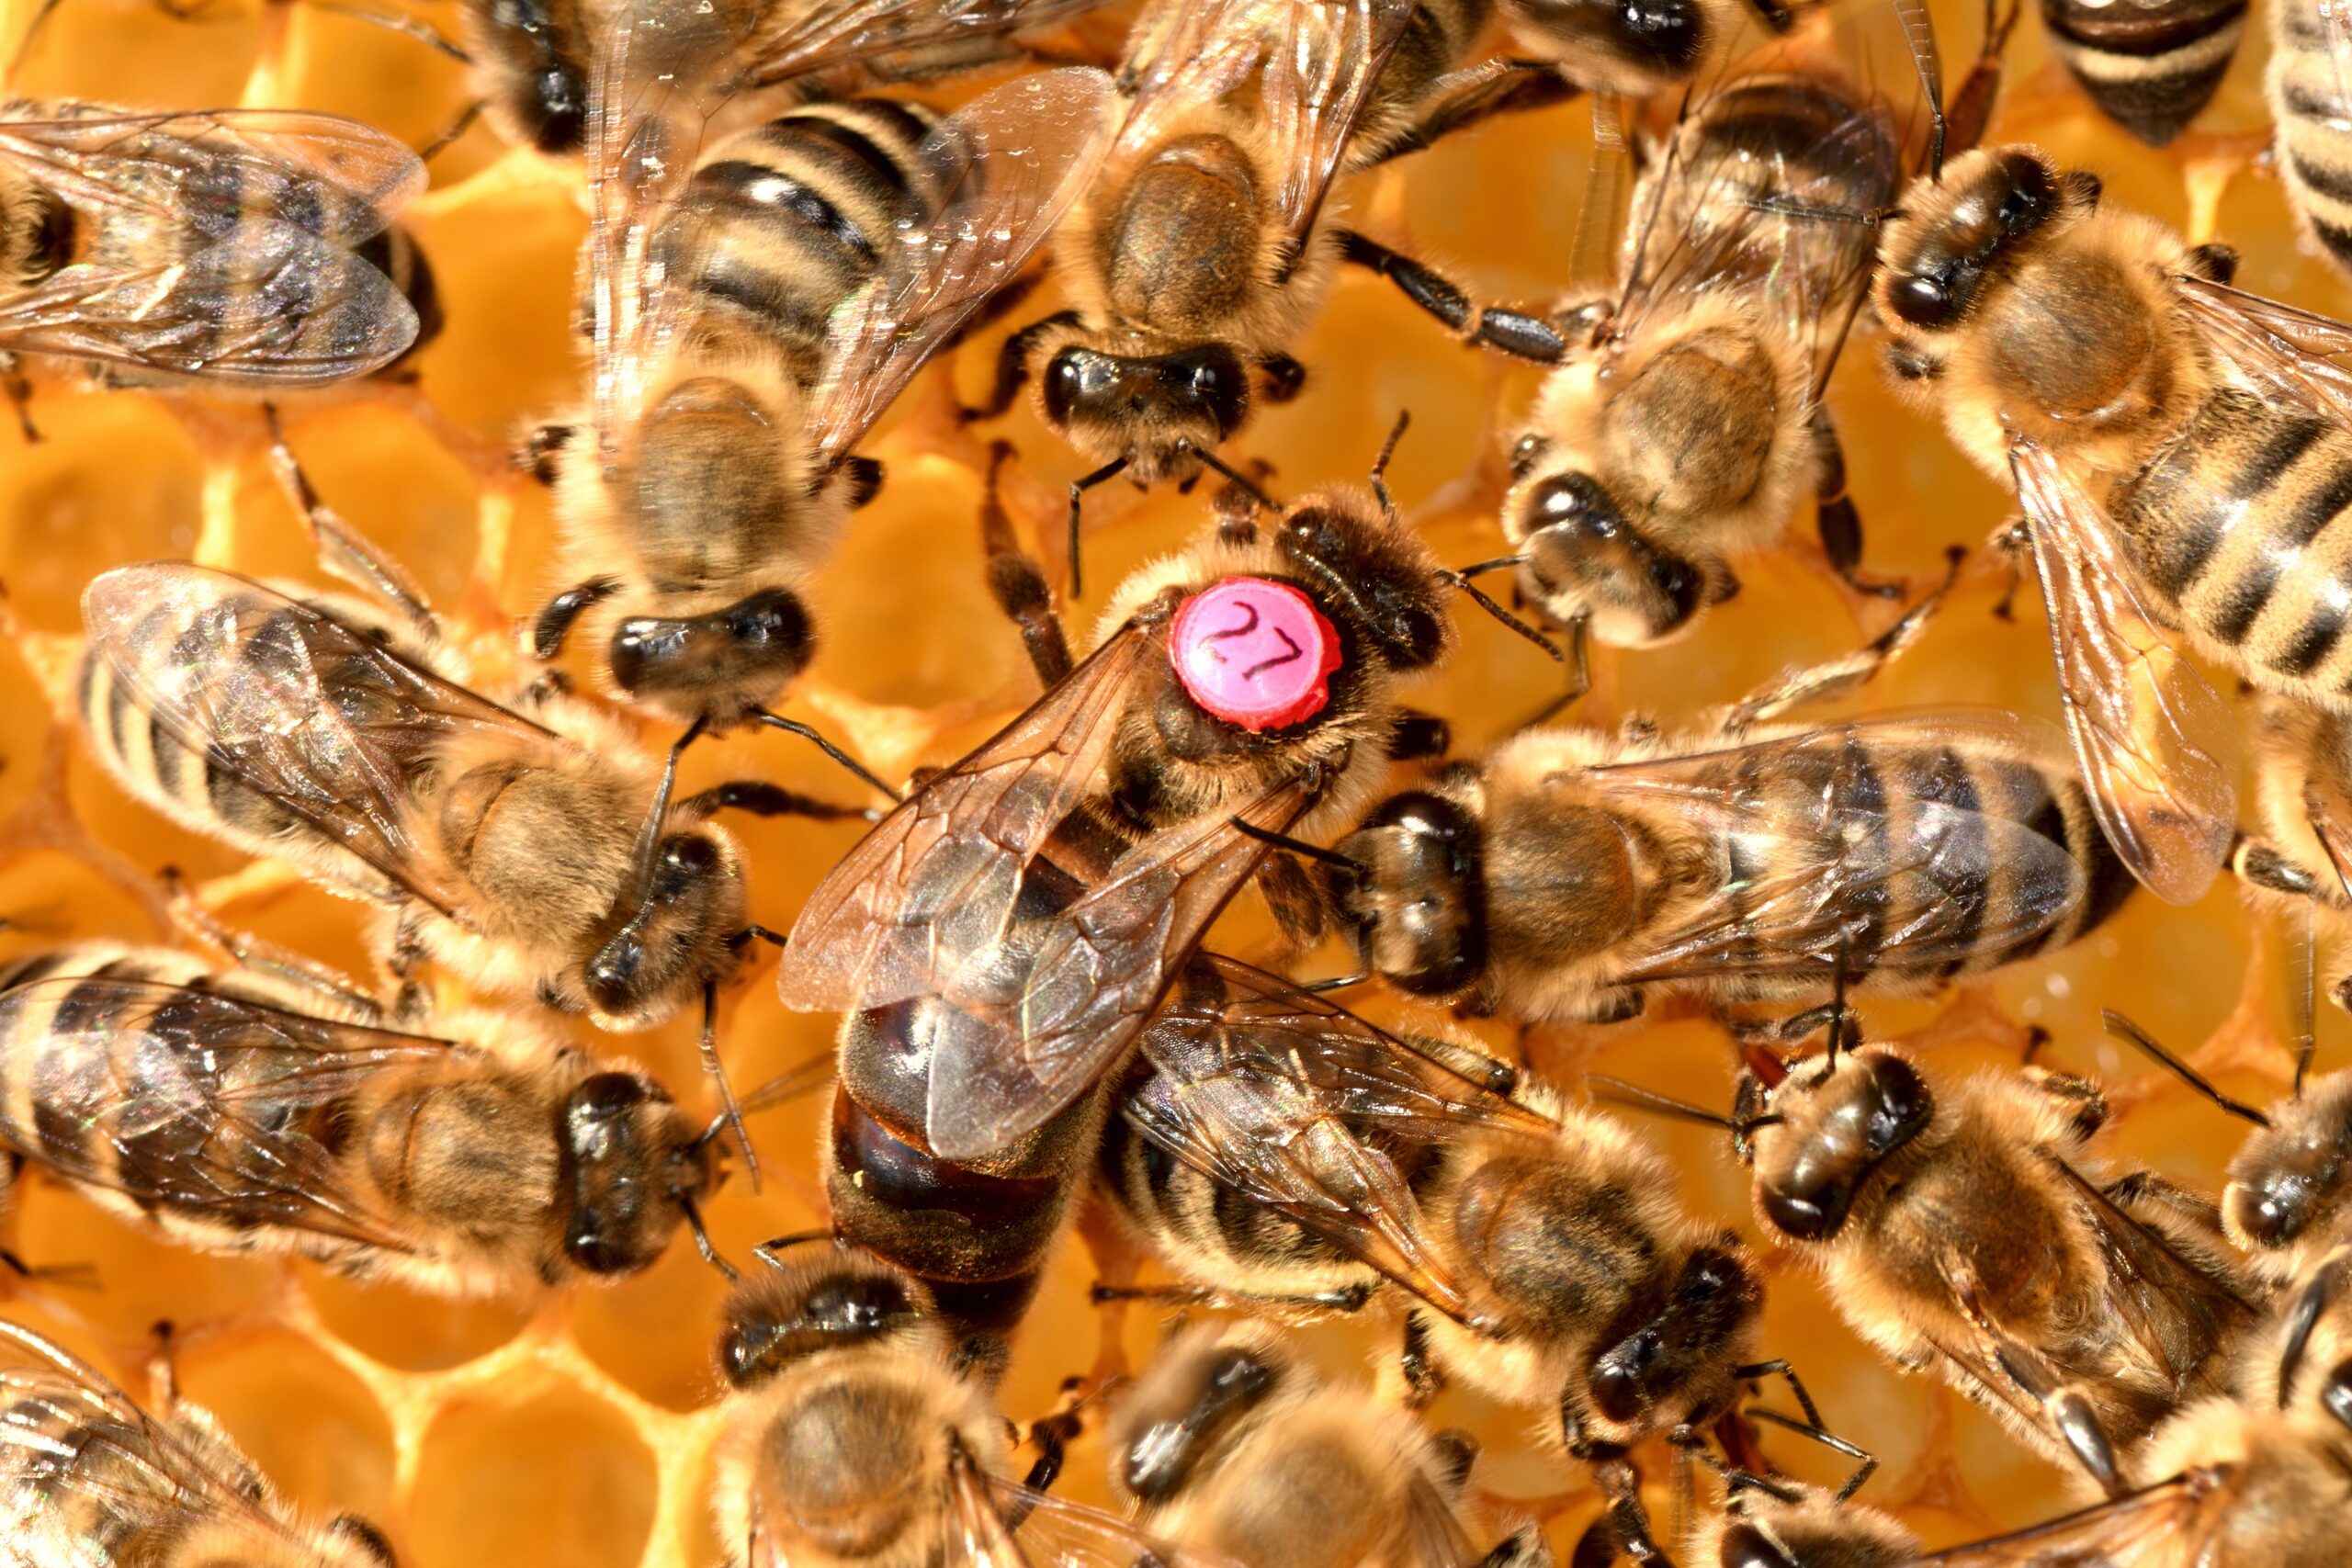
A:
<point x="2310" y="106"/>
<point x="756" y="304"/>
<point x="2149" y="65"/>
<point x="1000" y="938"/>
<point x="859" y="1433"/>
<point x="87" y="1477"/>
<point x="1575" y="872"/>
<point x="1959" y="1224"/>
<point x="1209" y="242"/>
<point x="539" y="855"/>
<point x="2174" y="445"/>
<point x="239" y="1112"/>
<point x="234" y="248"/>
<point x="1685" y="419"/>
<point x="1228" y="1443"/>
<point x="1546" y="1258"/>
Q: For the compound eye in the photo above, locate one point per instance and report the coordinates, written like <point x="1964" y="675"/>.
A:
<point x="694" y="855"/>
<point x="1065" y="383"/>
<point x="1524" y="455"/>
<point x="1673" y="30"/>
<point x="1575" y="504"/>
<point x="1922" y="301"/>
<point x="1903" y="1106"/>
<point x="1745" y="1546"/>
<point x="612" y="973"/>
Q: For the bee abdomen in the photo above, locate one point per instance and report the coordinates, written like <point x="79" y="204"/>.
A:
<point x="2313" y="109"/>
<point x="2148" y="66"/>
<point x="2237" y="522"/>
<point x="794" y="217"/>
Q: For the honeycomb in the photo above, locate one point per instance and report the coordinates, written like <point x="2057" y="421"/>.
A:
<point x="575" y="1429"/>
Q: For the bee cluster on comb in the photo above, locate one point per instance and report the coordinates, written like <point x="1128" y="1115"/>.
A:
<point x="1236" y="784"/>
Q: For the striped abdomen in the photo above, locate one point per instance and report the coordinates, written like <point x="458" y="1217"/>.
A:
<point x="92" y="1488"/>
<point x="2312" y="105"/>
<point x="2148" y="64"/>
<point x="1873" y="792"/>
<point x="2239" y="526"/>
<point x="789" y="219"/>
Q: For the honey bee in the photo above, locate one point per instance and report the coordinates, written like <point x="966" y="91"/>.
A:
<point x="2149" y="65"/>
<point x="541" y="855"/>
<point x="1686" y="417"/>
<point x="88" y="1478"/>
<point x="2309" y="107"/>
<point x="1771" y="1522"/>
<point x="859" y="1433"/>
<point x="1575" y="872"/>
<point x="1959" y="1226"/>
<point x="756" y="304"/>
<point x="1546" y="1258"/>
<point x="1229" y="1443"/>
<point x="239" y="1114"/>
<point x="1209" y="242"/>
<point x="2171" y="440"/>
<point x="1002" y="936"/>
<point x="233" y="248"/>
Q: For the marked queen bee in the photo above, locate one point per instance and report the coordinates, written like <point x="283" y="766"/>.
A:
<point x="245" y="1112"/>
<point x="756" y="303"/>
<point x="89" y="1480"/>
<point x="244" y="249"/>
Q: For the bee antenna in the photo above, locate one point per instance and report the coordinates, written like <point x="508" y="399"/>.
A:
<point x="2306" y="999"/>
<point x="1768" y="1069"/>
<point x="648" y="837"/>
<point x="1478" y="597"/>
<point x="732" y="1113"/>
<point x="1297" y="846"/>
<point x="1380" y="464"/>
<point x="1828" y="1439"/>
<point x="2131" y="1034"/>
<point x="1617" y="1091"/>
<point x="1216" y="464"/>
<point x="790" y="1084"/>
<point x="1500" y="563"/>
<point x="711" y="1254"/>
<point x="810" y="733"/>
<point x="771" y="1252"/>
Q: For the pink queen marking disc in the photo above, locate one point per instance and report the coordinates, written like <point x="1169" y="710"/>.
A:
<point x="1254" y="653"/>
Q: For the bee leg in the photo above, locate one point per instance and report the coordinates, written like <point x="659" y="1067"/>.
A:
<point x="1294" y="900"/>
<point x="1514" y="332"/>
<point x="763" y="799"/>
<point x="320" y="982"/>
<point x="1347" y="1298"/>
<point x="1970" y="109"/>
<point x="342" y="549"/>
<point x="1778" y="1368"/>
<point x="1843" y="675"/>
<point x="1052" y="1435"/>
<point x="449" y="134"/>
<point x="1418" y="737"/>
<point x="1423" y="1381"/>
<point x="2013" y="542"/>
<point x="2072" y="1417"/>
<point x="1077" y="488"/>
<point x="2147" y="1189"/>
<point x="1523" y="1548"/>
<point x="555" y="622"/>
<point x="20" y="393"/>
<point x="1281" y="376"/>
<point x="1628" y="1520"/>
<point x="1463" y="99"/>
<point x="2310" y="1301"/>
<point x="1840" y="522"/>
<point x="1016" y="584"/>
<point x="1012" y="364"/>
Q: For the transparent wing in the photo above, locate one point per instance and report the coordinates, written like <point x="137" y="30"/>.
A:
<point x="2291" y="356"/>
<point x="1002" y="1524"/>
<point x="1824" y="858"/>
<point x="1021" y="154"/>
<point x="211" y="1105"/>
<point x="2179" y="1314"/>
<point x="808" y="37"/>
<point x="318" y="717"/>
<point x="67" y="1433"/>
<point x="269" y="306"/>
<point x="1325" y="57"/>
<point x="1296" y="1104"/>
<point x="978" y="892"/>
<point x="1437" y="1536"/>
<point x="1183" y="56"/>
<point x="2157" y="747"/>
<point x="334" y="178"/>
<point x="2164" y="1526"/>
<point x="664" y="70"/>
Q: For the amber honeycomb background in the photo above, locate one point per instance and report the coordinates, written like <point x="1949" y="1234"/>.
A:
<point x="575" y="1429"/>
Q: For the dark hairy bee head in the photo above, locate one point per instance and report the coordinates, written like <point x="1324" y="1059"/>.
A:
<point x="1414" y="891"/>
<point x="1955" y="233"/>
<point x="664" y="940"/>
<point x="2291" y="1179"/>
<point x="1614" y="46"/>
<point x="631" y="1165"/>
<point x="1835" y="1126"/>
<point x="1158" y="412"/>
<point x="1585" y="557"/>
<point x="846" y="1299"/>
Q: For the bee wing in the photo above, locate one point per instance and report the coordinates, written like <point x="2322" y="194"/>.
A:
<point x="1822" y="861"/>
<point x="2289" y="356"/>
<point x="2167" y="1525"/>
<point x="1183" y="56"/>
<point x="832" y="33"/>
<point x="195" y="1097"/>
<point x="70" y="1431"/>
<point x="270" y="305"/>
<point x="1277" y="1094"/>
<point x="330" y="177"/>
<point x="2157" y="748"/>
<point x="2156" y="1294"/>
<point x="1437" y="1536"/>
<point x="664" y="72"/>
<point x="325" y="722"/>
<point x="1021" y="155"/>
<point x="1326" y="55"/>
<point x="1002" y="1523"/>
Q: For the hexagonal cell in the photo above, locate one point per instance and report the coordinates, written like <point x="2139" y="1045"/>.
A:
<point x="402" y="1328"/>
<point x="140" y="1279"/>
<point x="311" y="1425"/>
<point x="558" y="1479"/>
<point x="70" y="507"/>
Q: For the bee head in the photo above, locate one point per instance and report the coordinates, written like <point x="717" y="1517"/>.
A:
<point x="719" y="662"/>
<point x="1587" y="559"/>
<point x="2291" y="1179"/>
<point x="1835" y="1128"/>
<point x="1380" y="574"/>
<point x="364" y="1545"/>
<point x="660" y="946"/>
<point x="1710" y="1311"/>
<point x="36" y="232"/>
<point x="840" y="1299"/>
<point x="1415" y="890"/>
<point x="1636" y="46"/>
<point x="1956" y="233"/>
<point x="626" y="1171"/>
<point x="1154" y="409"/>
<point x="1203" y="1384"/>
